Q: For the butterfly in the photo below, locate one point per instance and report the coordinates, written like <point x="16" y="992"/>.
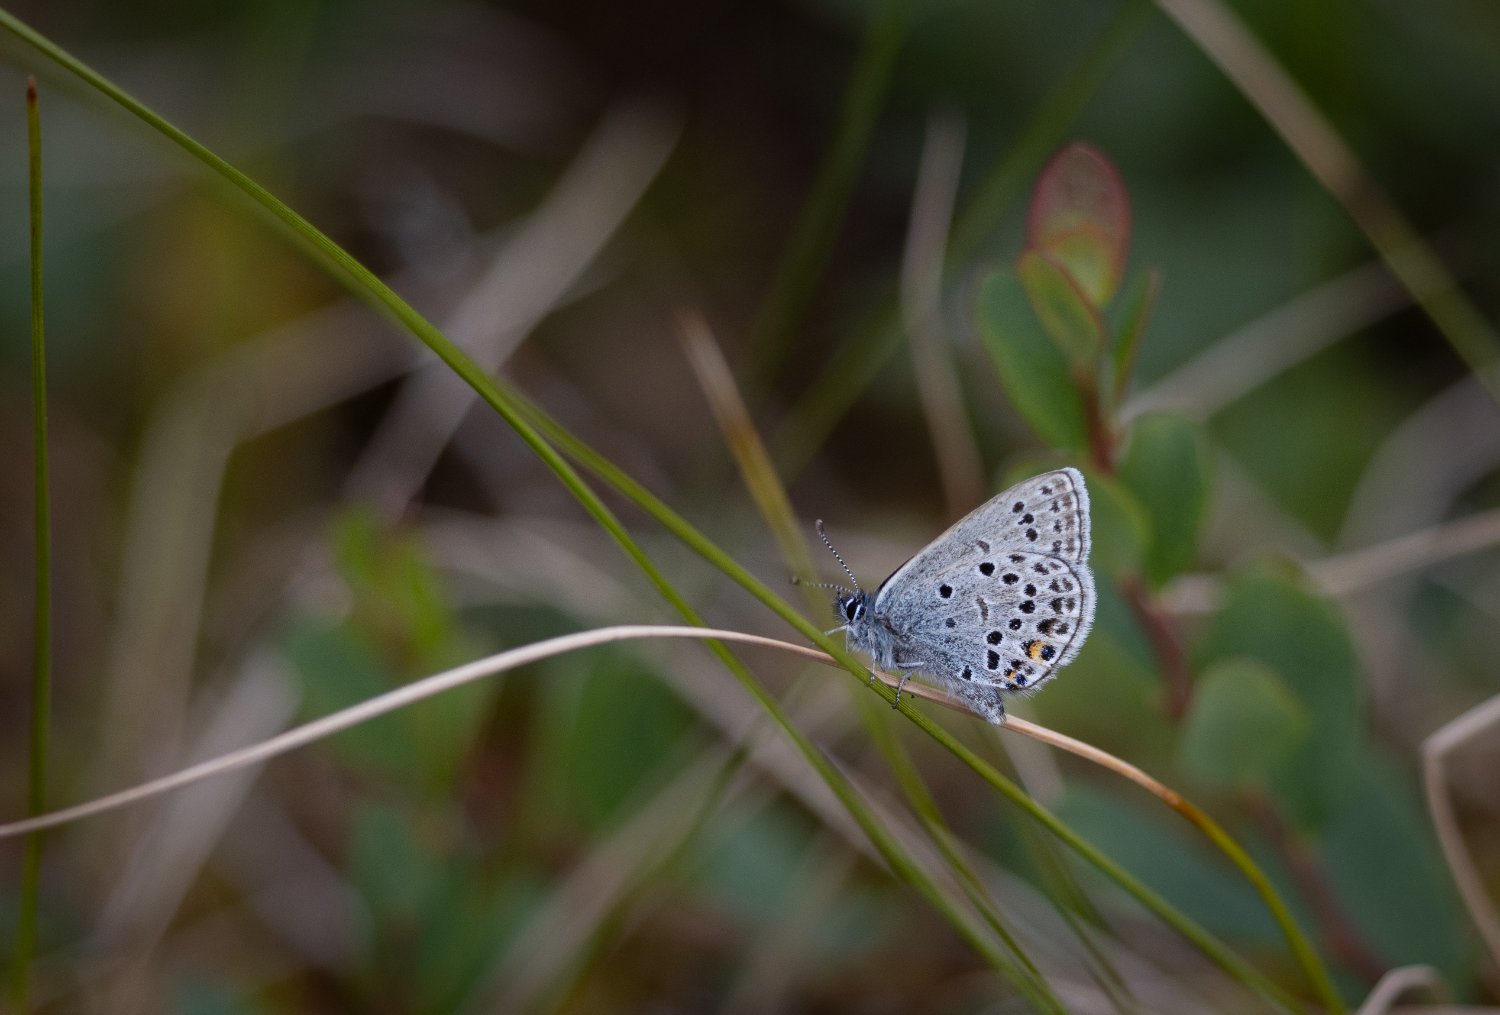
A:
<point x="997" y="604"/>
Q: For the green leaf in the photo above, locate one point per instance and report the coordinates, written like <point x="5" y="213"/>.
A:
<point x="1380" y="826"/>
<point x="1109" y="696"/>
<point x="1139" y="301"/>
<point x="466" y="922"/>
<point x="400" y="627"/>
<point x="1166" y="466"/>
<point x="421" y="747"/>
<point x="1062" y="308"/>
<point x="1033" y="370"/>
<point x="1271" y="616"/>
<point x="393" y="874"/>
<point x="1121" y="527"/>
<point x="435" y="922"/>
<point x="1164" y="852"/>
<point x="337" y="669"/>
<point x="398" y="598"/>
<point x="746" y="871"/>
<point x="607" y="731"/>
<point x="1244" y="726"/>
<point x="1079" y="217"/>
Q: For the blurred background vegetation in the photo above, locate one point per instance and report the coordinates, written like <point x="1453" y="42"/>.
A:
<point x="269" y="502"/>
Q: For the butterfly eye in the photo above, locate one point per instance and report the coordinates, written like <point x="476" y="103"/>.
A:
<point x="854" y="609"/>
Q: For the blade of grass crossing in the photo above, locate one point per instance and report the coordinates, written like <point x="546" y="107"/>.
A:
<point x="1211" y="946"/>
<point x="797" y="274"/>
<point x="1059" y="881"/>
<point x="1027" y="977"/>
<point x="770" y="496"/>
<point x="363" y="282"/>
<point x="41" y="674"/>
<point x="367" y="285"/>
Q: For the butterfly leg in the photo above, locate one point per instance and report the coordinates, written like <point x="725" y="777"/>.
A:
<point x="907" y="669"/>
<point x="900" y="684"/>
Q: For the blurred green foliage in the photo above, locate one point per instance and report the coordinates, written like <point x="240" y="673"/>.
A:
<point x="1243" y="727"/>
<point x="1033" y="369"/>
<point x="425" y="138"/>
<point x="1167" y="468"/>
<point x="1271" y="617"/>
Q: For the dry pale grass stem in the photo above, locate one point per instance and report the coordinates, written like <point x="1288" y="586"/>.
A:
<point x="1436" y="751"/>
<point x="960" y="466"/>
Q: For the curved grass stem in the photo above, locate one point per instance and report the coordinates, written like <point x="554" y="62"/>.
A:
<point x="545" y="437"/>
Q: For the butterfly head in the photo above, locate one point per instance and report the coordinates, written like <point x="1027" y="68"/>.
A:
<point x="851" y="606"/>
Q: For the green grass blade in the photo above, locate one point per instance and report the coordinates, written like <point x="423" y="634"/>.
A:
<point x="366" y="284"/>
<point x="529" y="424"/>
<point x="1026" y="976"/>
<point x="1211" y="946"/>
<point x="41" y="672"/>
<point x="801" y="265"/>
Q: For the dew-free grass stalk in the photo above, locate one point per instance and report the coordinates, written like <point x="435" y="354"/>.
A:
<point x="770" y="497"/>
<point x="1206" y="942"/>
<point x="1027" y="977"/>
<point x="41" y="670"/>
<point x="801" y="265"/>
<point x="1240" y="56"/>
<point x="365" y="283"/>
<point x="744" y="443"/>
<point x="1211" y="946"/>
<point x="1301" y="946"/>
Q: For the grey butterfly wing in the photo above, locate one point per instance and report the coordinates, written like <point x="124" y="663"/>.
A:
<point x="1011" y="618"/>
<point x="1046" y="514"/>
<point x="1002" y="598"/>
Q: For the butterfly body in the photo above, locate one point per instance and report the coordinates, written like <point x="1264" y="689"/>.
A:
<point x="996" y="604"/>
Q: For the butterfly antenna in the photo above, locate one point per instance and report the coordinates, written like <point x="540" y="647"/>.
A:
<point x="818" y="585"/>
<point x="824" y="536"/>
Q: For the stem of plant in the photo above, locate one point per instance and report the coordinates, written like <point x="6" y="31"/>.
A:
<point x="1101" y="432"/>
<point x="1165" y="645"/>
<point x="41" y="693"/>
<point x="1339" y="932"/>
